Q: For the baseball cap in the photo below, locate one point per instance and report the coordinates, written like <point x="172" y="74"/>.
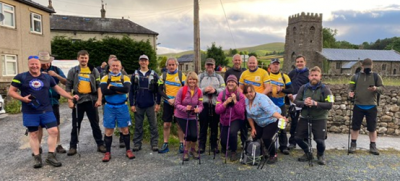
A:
<point x="367" y="63"/>
<point x="44" y="57"/>
<point x="144" y="57"/>
<point x="210" y="61"/>
<point x="274" y="60"/>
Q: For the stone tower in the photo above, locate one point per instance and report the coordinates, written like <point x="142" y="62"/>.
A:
<point x="303" y="36"/>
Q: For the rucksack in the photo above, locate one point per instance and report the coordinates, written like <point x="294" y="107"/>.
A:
<point x="179" y="76"/>
<point x="184" y="91"/>
<point x="252" y="153"/>
<point x="109" y="78"/>
<point x="378" y="96"/>
<point x="322" y="90"/>
<point x="151" y="84"/>
<point x="283" y="78"/>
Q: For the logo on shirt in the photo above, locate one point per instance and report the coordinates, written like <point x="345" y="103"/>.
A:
<point x="257" y="78"/>
<point x="36" y="84"/>
<point x="176" y="79"/>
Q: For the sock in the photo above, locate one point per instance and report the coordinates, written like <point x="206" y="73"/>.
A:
<point x="372" y="143"/>
<point x="353" y="141"/>
<point x="108" y="141"/>
<point x="127" y="141"/>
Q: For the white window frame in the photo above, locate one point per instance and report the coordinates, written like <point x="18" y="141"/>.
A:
<point x="4" y="64"/>
<point x="33" y="19"/>
<point x="3" y="10"/>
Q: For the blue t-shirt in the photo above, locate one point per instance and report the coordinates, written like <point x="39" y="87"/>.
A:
<point x="37" y="87"/>
<point x="54" y="96"/>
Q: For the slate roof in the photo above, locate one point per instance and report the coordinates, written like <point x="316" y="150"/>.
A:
<point x="348" y="65"/>
<point x="357" y="54"/>
<point x="186" y="58"/>
<point x="36" y="5"/>
<point x="96" y="24"/>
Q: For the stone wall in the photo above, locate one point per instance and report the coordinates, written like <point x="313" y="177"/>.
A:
<point x="388" y="112"/>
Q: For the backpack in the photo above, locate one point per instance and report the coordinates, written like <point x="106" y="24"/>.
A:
<point x="252" y="153"/>
<point x="378" y="96"/>
<point x="165" y="77"/>
<point x="287" y="101"/>
<point x="322" y="90"/>
<point x="184" y="91"/>
<point x="151" y="85"/>
<point x="109" y="79"/>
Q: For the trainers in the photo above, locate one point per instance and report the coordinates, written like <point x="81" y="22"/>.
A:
<point x="181" y="147"/>
<point x="373" y="150"/>
<point x="136" y="148"/>
<point x="101" y="149"/>
<point x="40" y="151"/>
<point x="129" y="154"/>
<point x="194" y="153"/>
<point x="234" y="156"/>
<point x="154" y="148"/>
<point x="321" y="160"/>
<point x="164" y="148"/>
<point x="292" y="146"/>
<point x="38" y="161"/>
<point x="285" y="151"/>
<point x="52" y="160"/>
<point x="60" y="149"/>
<point x="185" y="155"/>
<point x="121" y="142"/>
<point x="71" y="151"/>
<point x="107" y="157"/>
<point x="272" y="159"/>
<point x="306" y="157"/>
<point x="353" y="147"/>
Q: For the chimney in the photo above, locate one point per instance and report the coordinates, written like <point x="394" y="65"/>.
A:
<point x="50" y="6"/>
<point x="103" y="11"/>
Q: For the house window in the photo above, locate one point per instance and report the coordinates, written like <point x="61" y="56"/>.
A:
<point x="394" y="72"/>
<point x="187" y="67"/>
<point x="9" y="64"/>
<point x="384" y="67"/>
<point x="9" y="15"/>
<point x="36" y="23"/>
<point x="338" y="65"/>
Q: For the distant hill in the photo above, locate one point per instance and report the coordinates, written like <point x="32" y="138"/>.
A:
<point x="261" y="50"/>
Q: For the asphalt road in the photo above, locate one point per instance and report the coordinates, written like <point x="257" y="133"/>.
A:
<point x="16" y="162"/>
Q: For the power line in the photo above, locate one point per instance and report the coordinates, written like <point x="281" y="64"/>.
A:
<point x="226" y="19"/>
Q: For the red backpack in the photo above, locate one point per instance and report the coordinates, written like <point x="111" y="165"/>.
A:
<point x="184" y="91"/>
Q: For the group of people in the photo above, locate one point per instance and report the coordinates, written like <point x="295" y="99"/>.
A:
<point x="242" y="99"/>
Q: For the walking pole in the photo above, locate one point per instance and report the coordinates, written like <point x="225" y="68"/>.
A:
<point x="281" y="126"/>
<point x="187" y="122"/>
<point x="77" y="126"/>
<point x="198" y="136"/>
<point x="309" y="139"/>
<point x="350" y="121"/>
<point x="229" y="130"/>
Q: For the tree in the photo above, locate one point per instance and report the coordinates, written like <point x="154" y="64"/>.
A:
<point x="328" y="37"/>
<point x="253" y="54"/>
<point x="162" y="60"/>
<point x="217" y="54"/>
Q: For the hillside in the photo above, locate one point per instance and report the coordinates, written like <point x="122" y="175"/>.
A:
<point x="259" y="49"/>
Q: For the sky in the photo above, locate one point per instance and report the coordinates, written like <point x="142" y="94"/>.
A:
<point x="242" y="23"/>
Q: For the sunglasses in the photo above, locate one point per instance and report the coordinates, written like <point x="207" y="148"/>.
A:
<point x="33" y="56"/>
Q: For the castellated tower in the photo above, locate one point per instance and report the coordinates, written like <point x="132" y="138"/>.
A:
<point x="303" y="36"/>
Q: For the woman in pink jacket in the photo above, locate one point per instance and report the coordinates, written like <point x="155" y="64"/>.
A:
<point x="231" y="109"/>
<point x="188" y="103"/>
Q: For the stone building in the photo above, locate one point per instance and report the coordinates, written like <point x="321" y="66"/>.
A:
<point x="186" y="63"/>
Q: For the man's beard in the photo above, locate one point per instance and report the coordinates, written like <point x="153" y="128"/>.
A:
<point x="314" y="82"/>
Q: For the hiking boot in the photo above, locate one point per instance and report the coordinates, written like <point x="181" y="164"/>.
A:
<point x="234" y="156"/>
<point x="185" y="155"/>
<point x="181" y="148"/>
<point x="285" y="151"/>
<point x="129" y="154"/>
<point x="154" y="148"/>
<point x="40" y="151"/>
<point x="372" y="149"/>
<point x="136" y="148"/>
<point x="107" y="157"/>
<point x="71" y="151"/>
<point x="223" y="150"/>
<point x="321" y="160"/>
<point x="60" y="149"/>
<point x="101" y="149"/>
<point x="291" y="146"/>
<point x="164" y="148"/>
<point x="52" y="160"/>
<point x="38" y="161"/>
<point x="272" y="159"/>
<point x="306" y="157"/>
<point x="353" y="147"/>
<point x="121" y="142"/>
<point x="194" y="153"/>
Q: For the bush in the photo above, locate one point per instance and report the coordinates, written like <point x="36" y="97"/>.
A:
<point x="13" y="106"/>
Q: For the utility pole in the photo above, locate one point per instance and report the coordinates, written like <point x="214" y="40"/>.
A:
<point x="197" y="59"/>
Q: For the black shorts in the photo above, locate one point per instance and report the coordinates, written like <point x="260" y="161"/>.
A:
<point x="56" y="111"/>
<point x="318" y="129"/>
<point x="168" y="113"/>
<point x="370" y="116"/>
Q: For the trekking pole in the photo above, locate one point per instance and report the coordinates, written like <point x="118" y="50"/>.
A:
<point x="187" y="124"/>
<point x="350" y="121"/>
<point x="309" y="139"/>
<point x="77" y="126"/>
<point x="274" y="138"/>
<point x="198" y="136"/>
<point x="229" y="130"/>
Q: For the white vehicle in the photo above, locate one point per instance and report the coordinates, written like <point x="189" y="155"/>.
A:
<point x="2" y="111"/>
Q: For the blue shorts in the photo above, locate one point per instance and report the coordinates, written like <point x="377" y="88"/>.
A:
<point x="113" y="114"/>
<point x="45" y="120"/>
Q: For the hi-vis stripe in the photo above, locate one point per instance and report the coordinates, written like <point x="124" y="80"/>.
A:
<point x="218" y="102"/>
<point x="330" y="98"/>
<point x="352" y="82"/>
<point x="16" y="81"/>
<point x="200" y="99"/>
